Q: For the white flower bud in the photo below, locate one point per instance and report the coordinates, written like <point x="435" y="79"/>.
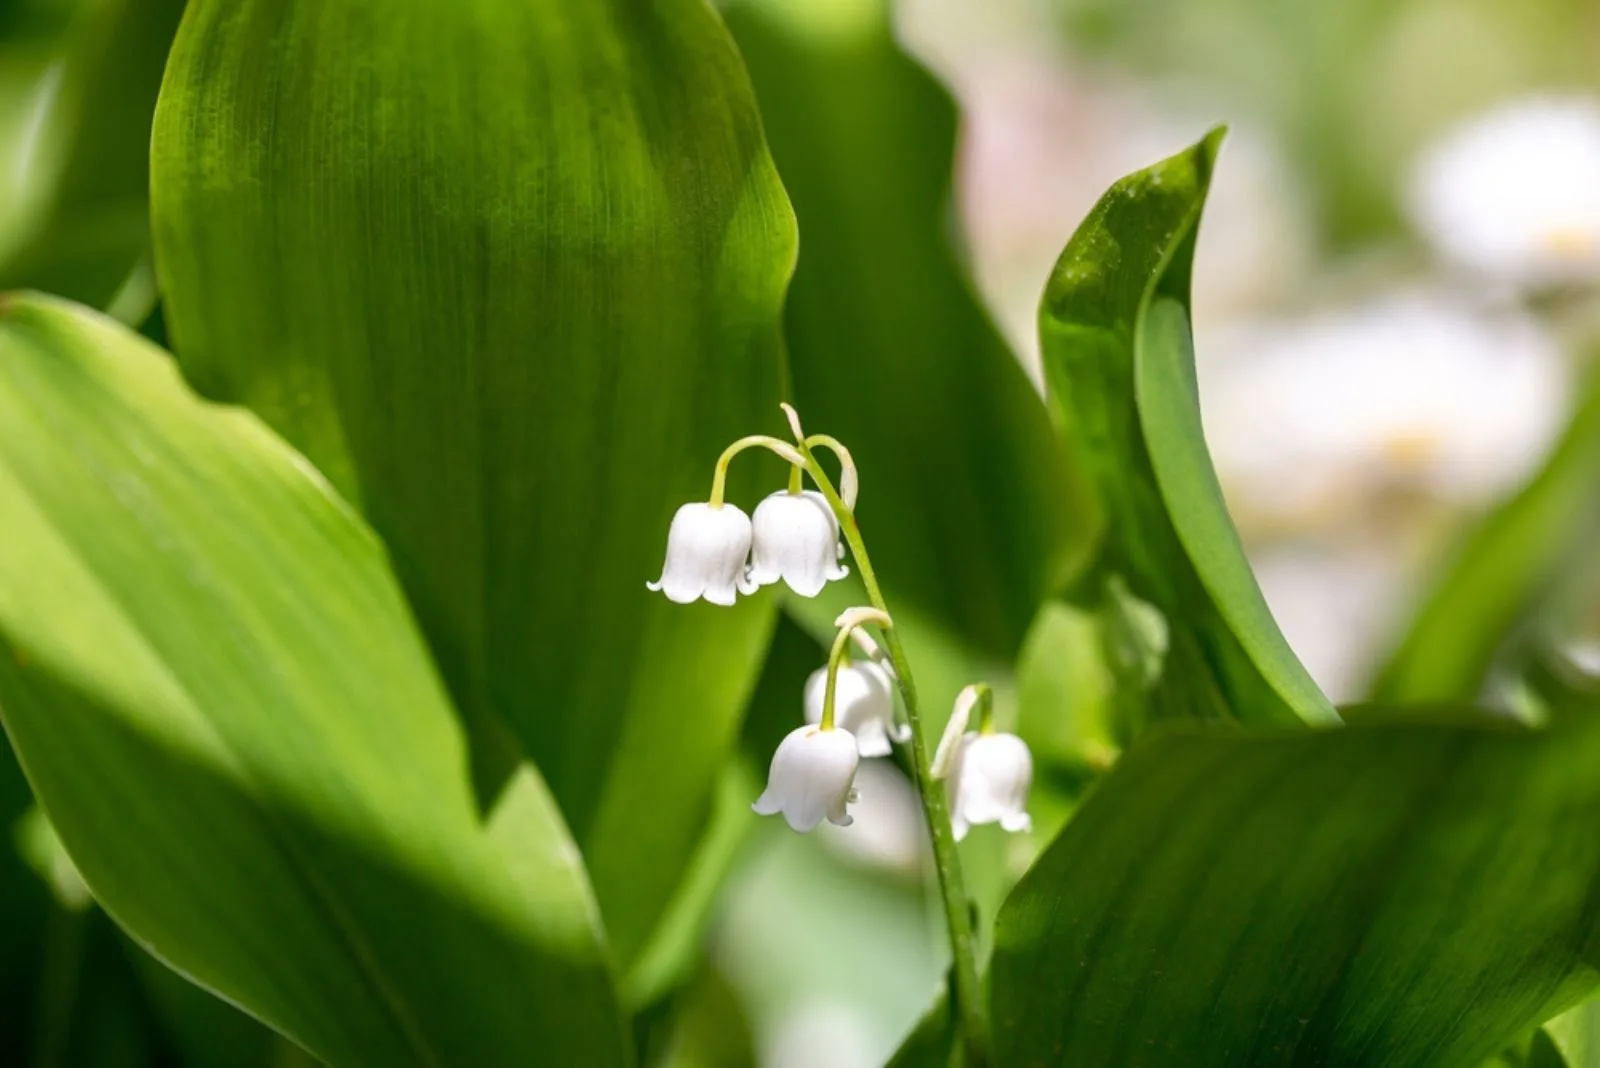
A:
<point x="863" y="704"/>
<point x="796" y="539"/>
<point x="706" y="551"/>
<point x="811" y="778"/>
<point x="989" y="780"/>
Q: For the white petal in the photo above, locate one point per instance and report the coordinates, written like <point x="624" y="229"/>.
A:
<point x="795" y="538"/>
<point x="811" y="777"/>
<point x="863" y="704"/>
<point x="706" y="552"/>
<point x="990" y="781"/>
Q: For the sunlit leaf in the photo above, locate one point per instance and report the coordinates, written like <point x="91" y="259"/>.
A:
<point x="220" y="699"/>
<point x="510" y="275"/>
<point x="1119" y="363"/>
<point x="1386" y="896"/>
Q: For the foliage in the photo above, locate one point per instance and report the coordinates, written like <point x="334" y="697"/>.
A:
<point x="345" y="730"/>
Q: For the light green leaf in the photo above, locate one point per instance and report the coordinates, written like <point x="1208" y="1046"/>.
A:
<point x="1519" y="558"/>
<point x="218" y="695"/>
<point x="509" y="274"/>
<point x="967" y="504"/>
<point x="75" y="135"/>
<point x="1119" y="363"/>
<point x="1389" y="896"/>
<point x="1575" y="1034"/>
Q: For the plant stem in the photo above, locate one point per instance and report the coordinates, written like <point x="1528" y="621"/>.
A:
<point x="964" y="961"/>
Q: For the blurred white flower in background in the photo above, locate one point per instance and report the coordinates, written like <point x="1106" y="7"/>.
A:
<point x="888" y="833"/>
<point x="1311" y="420"/>
<point x="1042" y="137"/>
<point x="1514" y="194"/>
<point x="1338" y="605"/>
<point x="821" y="1033"/>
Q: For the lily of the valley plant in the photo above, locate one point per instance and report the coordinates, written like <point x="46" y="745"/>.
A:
<point x="799" y="536"/>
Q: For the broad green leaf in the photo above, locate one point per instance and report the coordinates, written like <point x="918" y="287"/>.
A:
<point x="1505" y="568"/>
<point x="219" y="697"/>
<point x="1575" y="1036"/>
<point x="1119" y="364"/>
<point x="92" y="1011"/>
<point x="1388" y="896"/>
<point x="933" y="1042"/>
<point x="509" y="274"/>
<point x="967" y="504"/>
<point x="75" y="115"/>
<point x="211" y="1033"/>
<point x="705" y="1028"/>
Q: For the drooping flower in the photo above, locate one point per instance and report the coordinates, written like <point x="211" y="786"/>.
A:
<point x="812" y="778"/>
<point x="796" y="539"/>
<point x="1514" y="194"/>
<point x="989" y="783"/>
<point x="706" y="551"/>
<point x="989" y="772"/>
<point x="863" y="704"/>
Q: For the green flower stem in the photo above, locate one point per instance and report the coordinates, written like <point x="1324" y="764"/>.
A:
<point x="719" y="476"/>
<point x="848" y="624"/>
<point x="968" y="992"/>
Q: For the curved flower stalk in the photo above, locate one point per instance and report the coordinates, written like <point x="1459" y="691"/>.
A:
<point x="715" y="551"/>
<point x="864" y="705"/>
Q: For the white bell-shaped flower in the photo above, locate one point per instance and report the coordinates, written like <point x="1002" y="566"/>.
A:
<point x="812" y="778"/>
<point x="796" y="539"/>
<point x="863" y="704"/>
<point x="989" y="773"/>
<point x="989" y="781"/>
<point x="706" y="552"/>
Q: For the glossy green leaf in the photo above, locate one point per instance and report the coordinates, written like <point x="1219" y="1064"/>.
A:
<point x="75" y="114"/>
<point x="218" y="694"/>
<point x="1514" y="561"/>
<point x="1388" y="896"/>
<point x="1119" y="364"/>
<point x="509" y="274"/>
<point x="967" y="504"/>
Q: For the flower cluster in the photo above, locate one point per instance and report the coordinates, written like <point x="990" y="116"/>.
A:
<point x="715" y="552"/>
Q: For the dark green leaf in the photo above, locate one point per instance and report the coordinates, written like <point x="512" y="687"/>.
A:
<point x="78" y="140"/>
<point x="967" y="504"/>
<point x="1119" y="364"/>
<point x="932" y="1043"/>
<point x="509" y="274"/>
<point x="1505" y="568"/>
<point x="1388" y="896"/>
<point x="219" y="697"/>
